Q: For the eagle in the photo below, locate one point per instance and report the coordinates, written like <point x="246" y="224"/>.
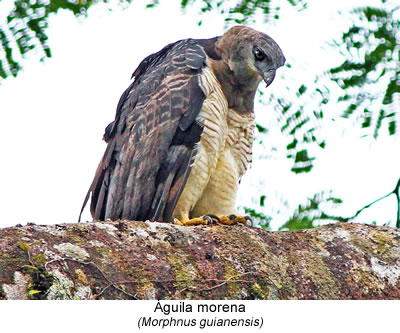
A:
<point x="183" y="131"/>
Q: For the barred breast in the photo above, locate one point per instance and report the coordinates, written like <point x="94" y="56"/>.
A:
<point x="222" y="157"/>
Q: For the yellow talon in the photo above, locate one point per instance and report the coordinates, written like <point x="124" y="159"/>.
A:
<point x="211" y="219"/>
<point x="242" y="219"/>
<point x="233" y="219"/>
<point x="202" y="220"/>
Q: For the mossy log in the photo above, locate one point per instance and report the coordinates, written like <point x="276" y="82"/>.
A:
<point x="150" y="260"/>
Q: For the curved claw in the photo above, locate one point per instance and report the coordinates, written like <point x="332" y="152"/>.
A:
<point x="240" y="219"/>
<point x="233" y="217"/>
<point x="208" y="219"/>
<point x="215" y="218"/>
<point x="249" y="219"/>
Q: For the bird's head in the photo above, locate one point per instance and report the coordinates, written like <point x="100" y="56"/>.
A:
<point x="251" y="55"/>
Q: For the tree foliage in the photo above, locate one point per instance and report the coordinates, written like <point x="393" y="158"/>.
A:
<point x="25" y="30"/>
<point x="300" y="119"/>
<point x="370" y="74"/>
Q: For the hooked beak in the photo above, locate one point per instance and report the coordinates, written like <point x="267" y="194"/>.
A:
<point x="269" y="76"/>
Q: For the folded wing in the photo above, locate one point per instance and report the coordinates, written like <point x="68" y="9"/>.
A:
<point x="151" y="142"/>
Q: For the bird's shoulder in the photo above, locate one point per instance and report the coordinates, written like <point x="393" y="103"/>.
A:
<point x="180" y="61"/>
<point x="189" y="52"/>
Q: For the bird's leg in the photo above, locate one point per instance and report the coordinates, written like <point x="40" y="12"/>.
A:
<point x="202" y="220"/>
<point x="234" y="219"/>
<point x="214" y="219"/>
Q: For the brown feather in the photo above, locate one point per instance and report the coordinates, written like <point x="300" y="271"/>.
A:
<point x="163" y="99"/>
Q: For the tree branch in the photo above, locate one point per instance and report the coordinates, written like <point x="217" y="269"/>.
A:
<point x="150" y="260"/>
<point x="395" y="191"/>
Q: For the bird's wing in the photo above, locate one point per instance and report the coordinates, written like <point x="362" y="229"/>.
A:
<point x="151" y="142"/>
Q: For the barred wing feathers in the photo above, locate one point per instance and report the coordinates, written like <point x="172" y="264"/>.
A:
<point x="152" y="139"/>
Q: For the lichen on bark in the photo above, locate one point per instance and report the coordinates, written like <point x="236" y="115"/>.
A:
<point x="150" y="260"/>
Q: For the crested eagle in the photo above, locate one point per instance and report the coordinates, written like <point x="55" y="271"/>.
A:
<point x="183" y="131"/>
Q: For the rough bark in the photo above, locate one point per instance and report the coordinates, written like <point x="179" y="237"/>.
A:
<point x="149" y="260"/>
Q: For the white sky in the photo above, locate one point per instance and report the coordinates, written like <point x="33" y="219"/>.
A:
<point x="53" y="115"/>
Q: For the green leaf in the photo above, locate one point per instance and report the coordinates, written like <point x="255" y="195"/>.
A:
<point x="392" y="127"/>
<point x="379" y="122"/>
<point x="336" y="201"/>
<point x="40" y="259"/>
<point x="379" y="53"/>
<point x="350" y="110"/>
<point x="297" y="223"/>
<point x="33" y="291"/>
<point x="301" y="169"/>
<point x="392" y="88"/>
<point x="292" y="145"/>
<point x="31" y="267"/>
<point x="372" y="13"/>
<point x="262" y="200"/>
<point x="301" y="90"/>
<point x="261" y="129"/>
<point x="302" y="156"/>
<point x="367" y="117"/>
<point x="24" y="246"/>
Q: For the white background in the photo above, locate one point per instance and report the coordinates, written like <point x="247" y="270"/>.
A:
<point x="279" y="316"/>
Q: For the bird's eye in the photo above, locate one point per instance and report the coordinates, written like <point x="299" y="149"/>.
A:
<point x="259" y="54"/>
